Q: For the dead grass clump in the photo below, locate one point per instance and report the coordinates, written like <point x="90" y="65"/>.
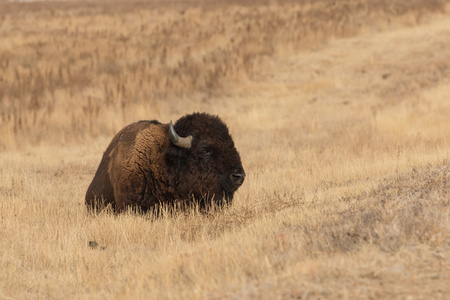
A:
<point x="402" y="211"/>
<point x="417" y="208"/>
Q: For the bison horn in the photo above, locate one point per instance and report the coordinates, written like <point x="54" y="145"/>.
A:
<point x="183" y="142"/>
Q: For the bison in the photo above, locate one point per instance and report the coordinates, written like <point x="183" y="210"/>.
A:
<point x="149" y="163"/>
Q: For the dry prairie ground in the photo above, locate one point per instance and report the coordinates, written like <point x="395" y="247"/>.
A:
<point x="340" y="113"/>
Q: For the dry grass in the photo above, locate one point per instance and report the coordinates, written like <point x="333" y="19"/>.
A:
<point x="340" y="112"/>
<point x="100" y="64"/>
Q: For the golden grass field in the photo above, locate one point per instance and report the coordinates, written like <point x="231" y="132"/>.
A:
<point x="340" y="110"/>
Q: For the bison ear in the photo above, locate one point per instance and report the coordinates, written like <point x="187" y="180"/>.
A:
<point x="176" y="156"/>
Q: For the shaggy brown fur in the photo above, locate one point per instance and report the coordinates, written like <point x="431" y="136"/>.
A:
<point x="142" y="167"/>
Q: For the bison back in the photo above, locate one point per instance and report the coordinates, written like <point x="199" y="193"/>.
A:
<point x="113" y="170"/>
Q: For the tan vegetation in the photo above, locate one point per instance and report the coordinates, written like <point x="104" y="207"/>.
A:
<point x="339" y="109"/>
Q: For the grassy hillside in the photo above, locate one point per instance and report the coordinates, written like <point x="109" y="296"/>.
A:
<point x="340" y="113"/>
<point x="73" y="70"/>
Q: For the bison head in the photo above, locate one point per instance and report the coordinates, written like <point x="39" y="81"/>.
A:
<point x="203" y="160"/>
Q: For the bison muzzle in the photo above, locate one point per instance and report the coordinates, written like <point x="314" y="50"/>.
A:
<point x="148" y="163"/>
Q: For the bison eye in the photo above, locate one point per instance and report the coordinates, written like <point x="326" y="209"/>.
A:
<point x="205" y="154"/>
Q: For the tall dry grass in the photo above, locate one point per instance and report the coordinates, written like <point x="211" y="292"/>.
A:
<point x="343" y="132"/>
<point x="70" y="71"/>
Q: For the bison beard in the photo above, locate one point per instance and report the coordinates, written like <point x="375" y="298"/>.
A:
<point x="148" y="163"/>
